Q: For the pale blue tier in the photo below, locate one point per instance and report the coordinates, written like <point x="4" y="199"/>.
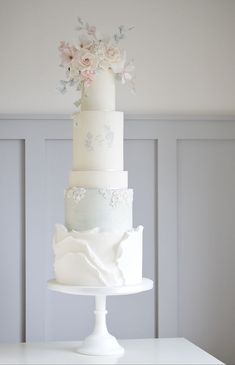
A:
<point x="108" y="209"/>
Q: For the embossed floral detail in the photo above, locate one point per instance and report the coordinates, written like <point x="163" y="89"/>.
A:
<point x="76" y="193"/>
<point x="109" y="135"/>
<point x="104" y="139"/>
<point x="121" y="197"/>
<point x="117" y="197"/>
<point x="89" y="141"/>
<point x="105" y="193"/>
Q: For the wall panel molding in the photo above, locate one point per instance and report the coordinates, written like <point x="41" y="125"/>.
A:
<point x="12" y="239"/>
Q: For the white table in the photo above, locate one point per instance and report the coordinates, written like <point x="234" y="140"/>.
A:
<point x="146" y="351"/>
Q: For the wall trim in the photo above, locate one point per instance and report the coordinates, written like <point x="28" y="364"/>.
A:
<point x="128" y="116"/>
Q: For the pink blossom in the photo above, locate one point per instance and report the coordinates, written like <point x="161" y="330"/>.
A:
<point x="91" y="30"/>
<point x="67" y="52"/>
<point x="85" y="42"/>
<point x="88" y="77"/>
<point x="126" y="74"/>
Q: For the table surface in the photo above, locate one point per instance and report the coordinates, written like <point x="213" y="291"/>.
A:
<point x="144" y="351"/>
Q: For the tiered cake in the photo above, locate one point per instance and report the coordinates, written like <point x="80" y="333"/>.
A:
<point x="98" y="245"/>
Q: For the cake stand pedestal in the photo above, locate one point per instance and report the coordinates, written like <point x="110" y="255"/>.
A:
<point x="101" y="342"/>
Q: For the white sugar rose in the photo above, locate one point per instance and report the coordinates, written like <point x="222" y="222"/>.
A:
<point x="101" y="50"/>
<point x="104" y="65"/>
<point x="113" y="54"/>
<point x="73" y="72"/>
<point x="87" y="61"/>
<point x="118" y="67"/>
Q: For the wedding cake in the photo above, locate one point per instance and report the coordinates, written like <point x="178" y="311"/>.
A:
<point x="98" y="245"/>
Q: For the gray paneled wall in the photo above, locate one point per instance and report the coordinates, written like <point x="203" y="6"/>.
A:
<point x="12" y="247"/>
<point x="206" y="231"/>
<point x="182" y="170"/>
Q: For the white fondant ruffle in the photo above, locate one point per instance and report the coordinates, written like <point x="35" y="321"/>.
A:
<point x="96" y="258"/>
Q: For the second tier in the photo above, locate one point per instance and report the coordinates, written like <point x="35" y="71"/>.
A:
<point x="98" y="140"/>
<point x="108" y="209"/>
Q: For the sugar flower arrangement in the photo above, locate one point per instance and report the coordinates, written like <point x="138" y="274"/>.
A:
<point x="94" y="53"/>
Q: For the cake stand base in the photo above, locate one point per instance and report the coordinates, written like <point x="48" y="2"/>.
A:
<point x="100" y="342"/>
<point x="101" y="346"/>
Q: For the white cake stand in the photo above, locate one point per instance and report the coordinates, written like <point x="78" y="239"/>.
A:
<point x="101" y="342"/>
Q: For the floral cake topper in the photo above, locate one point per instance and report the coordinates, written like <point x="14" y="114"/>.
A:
<point x="94" y="53"/>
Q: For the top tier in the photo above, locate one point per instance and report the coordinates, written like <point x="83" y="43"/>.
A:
<point x="100" y="95"/>
<point x="92" y="64"/>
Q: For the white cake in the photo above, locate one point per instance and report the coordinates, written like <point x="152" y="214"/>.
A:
<point x="98" y="245"/>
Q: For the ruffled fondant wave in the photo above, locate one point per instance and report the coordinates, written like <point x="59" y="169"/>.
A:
<point x="96" y="258"/>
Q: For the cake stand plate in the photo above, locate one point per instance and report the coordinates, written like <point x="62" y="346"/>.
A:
<point x="101" y="342"/>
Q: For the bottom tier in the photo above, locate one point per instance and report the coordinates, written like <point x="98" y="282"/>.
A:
<point x="97" y="258"/>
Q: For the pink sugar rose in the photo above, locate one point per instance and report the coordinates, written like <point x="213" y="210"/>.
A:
<point x="87" y="61"/>
<point x="68" y="53"/>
